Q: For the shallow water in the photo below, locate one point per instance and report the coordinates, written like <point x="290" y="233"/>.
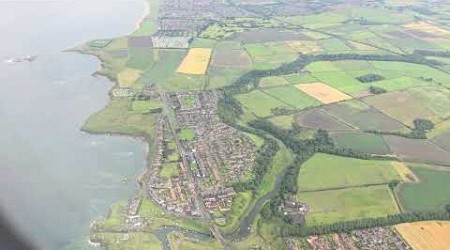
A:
<point x="54" y="179"/>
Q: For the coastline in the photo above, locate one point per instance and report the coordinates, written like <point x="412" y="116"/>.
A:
<point x="141" y="137"/>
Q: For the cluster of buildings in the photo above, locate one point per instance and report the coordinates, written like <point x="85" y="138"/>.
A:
<point x="216" y="157"/>
<point x="180" y="20"/>
<point x="174" y="193"/>
<point x="380" y="238"/>
<point x="221" y="154"/>
<point x="295" y="211"/>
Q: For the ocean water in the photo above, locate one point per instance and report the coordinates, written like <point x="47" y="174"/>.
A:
<point x="55" y="179"/>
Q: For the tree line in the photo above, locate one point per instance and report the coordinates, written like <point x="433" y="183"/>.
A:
<point x="348" y="226"/>
<point x="419" y="131"/>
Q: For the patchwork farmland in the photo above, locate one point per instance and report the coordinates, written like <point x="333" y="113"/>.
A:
<point x="287" y="118"/>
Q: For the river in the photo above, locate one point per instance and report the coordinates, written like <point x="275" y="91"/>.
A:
<point x="54" y="179"/>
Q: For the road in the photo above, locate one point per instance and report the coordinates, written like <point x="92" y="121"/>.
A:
<point x="193" y="186"/>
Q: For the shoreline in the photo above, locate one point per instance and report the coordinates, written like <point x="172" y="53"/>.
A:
<point x="139" y="137"/>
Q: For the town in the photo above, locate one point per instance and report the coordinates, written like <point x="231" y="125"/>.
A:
<point x="201" y="153"/>
<point x="382" y="238"/>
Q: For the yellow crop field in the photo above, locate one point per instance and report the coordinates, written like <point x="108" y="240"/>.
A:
<point x="304" y="46"/>
<point x="128" y="77"/>
<point x="427" y="27"/>
<point x="426" y="235"/>
<point x="323" y="92"/>
<point x="196" y="61"/>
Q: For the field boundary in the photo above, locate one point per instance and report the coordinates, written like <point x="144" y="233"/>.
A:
<point x="395" y="200"/>
<point x="341" y="188"/>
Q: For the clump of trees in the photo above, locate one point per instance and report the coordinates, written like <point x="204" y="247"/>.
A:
<point x="263" y="160"/>
<point x="420" y="130"/>
<point x="376" y="90"/>
<point x="370" y="78"/>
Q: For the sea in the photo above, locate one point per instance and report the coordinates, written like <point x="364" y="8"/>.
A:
<point x="54" y="179"/>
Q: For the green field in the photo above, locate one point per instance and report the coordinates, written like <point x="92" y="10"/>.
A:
<point x="169" y="170"/>
<point x="140" y="58"/>
<point x="283" y="121"/>
<point x="324" y="171"/>
<point x="165" y="64"/>
<point x="187" y="134"/>
<point x="348" y="204"/>
<point x="295" y="79"/>
<point x="188" y="101"/>
<point x="292" y="97"/>
<point x="178" y="241"/>
<point x="401" y="106"/>
<point x="272" y="81"/>
<point x="135" y="240"/>
<point x="399" y="83"/>
<point x="145" y="106"/>
<point x="432" y="192"/>
<point x="241" y="203"/>
<point x="362" y="142"/>
<point x="363" y="117"/>
<point x="341" y="81"/>
<point x="116" y="118"/>
<point x="436" y="99"/>
<point x="256" y="139"/>
<point x="253" y="100"/>
<point x="270" y="55"/>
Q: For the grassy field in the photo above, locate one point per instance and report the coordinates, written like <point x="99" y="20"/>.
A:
<point x="241" y="204"/>
<point x="281" y="160"/>
<point x="253" y="100"/>
<point x="178" y="241"/>
<point x="360" y="115"/>
<point x="272" y="81"/>
<point x="165" y="64"/>
<point x="436" y="99"/>
<point x="128" y="77"/>
<point x="417" y="150"/>
<point x="363" y="142"/>
<point x="116" y="118"/>
<point x="157" y="218"/>
<point x="432" y="192"/>
<point x="169" y="170"/>
<point x="318" y="118"/>
<point x="348" y="204"/>
<point x="297" y="79"/>
<point x="115" y="216"/>
<point x="284" y="121"/>
<point x="324" y="171"/>
<point x="134" y="240"/>
<point x="145" y="106"/>
<point x="292" y="97"/>
<point x="187" y="134"/>
<point x="401" y="106"/>
<point x="341" y="81"/>
<point x="270" y="55"/>
<point x="399" y="83"/>
<point x="256" y="139"/>
<point x="140" y="58"/>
